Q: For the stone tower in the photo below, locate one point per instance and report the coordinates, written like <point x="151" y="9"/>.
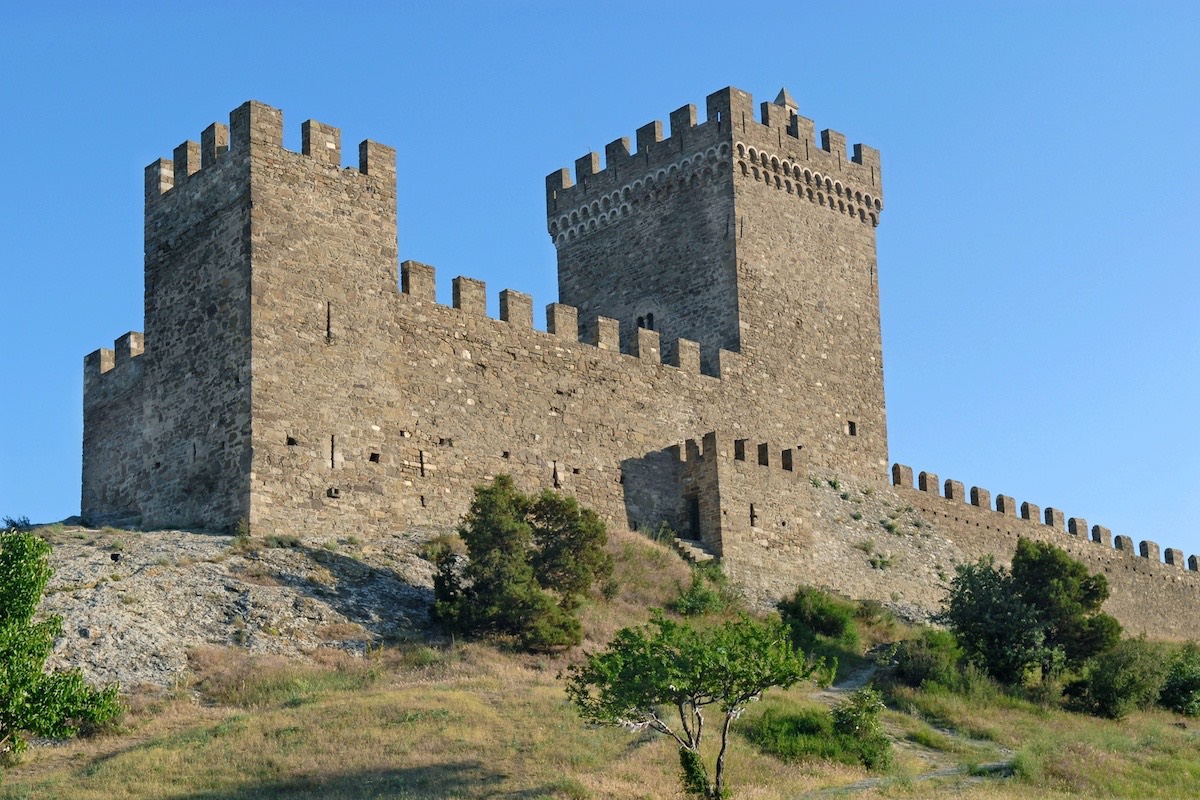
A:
<point x="252" y="255"/>
<point x="742" y="234"/>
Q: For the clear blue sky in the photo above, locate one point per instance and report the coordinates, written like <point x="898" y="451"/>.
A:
<point x="1038" y="250"/>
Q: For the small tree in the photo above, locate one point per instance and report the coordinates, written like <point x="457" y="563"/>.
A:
<point x="518" y="547"/>
<point x="32" y="701"/>
<point x="684" y="668"/>
<point x="999" y="631"/>
<point x="1045" y="613"/>
<point x="1181" y="690"/>
<point x="1066" y="600"/>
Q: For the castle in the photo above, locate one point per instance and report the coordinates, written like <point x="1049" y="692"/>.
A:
<point x="715" y="363"/>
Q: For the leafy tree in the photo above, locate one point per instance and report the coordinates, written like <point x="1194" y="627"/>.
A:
<point x="1045" y="613"/>
<point x="1181" y="690"/>
<point x="518" y="547"/>
<point x="32" y="701"/>
<point x="1066" y="600"/>
<point x="999" y="631"/>
<point x="678" y="666"/>
<point x="1123" y="678"/>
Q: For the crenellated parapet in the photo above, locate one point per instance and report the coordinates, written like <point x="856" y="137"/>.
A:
<point x="696" y="153"/>
<point x="257" y="127"/>
<point x="105" y="364"/>
<point x="469" y="298"/>
<point x="1052" y="519"/>
<point x="773" y="455"/>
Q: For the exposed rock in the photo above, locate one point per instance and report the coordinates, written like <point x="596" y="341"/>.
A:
<point x="134" y="603"/>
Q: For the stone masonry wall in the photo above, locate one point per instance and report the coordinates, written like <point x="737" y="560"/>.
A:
<point x="650" y="237"/>
<point x="113" y="397"/>
<point x="743" y="234"/>
<point x="288" y="380"/>
<point x="196" y="431"/>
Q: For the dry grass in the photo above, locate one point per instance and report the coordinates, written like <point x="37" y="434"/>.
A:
<point x="475" y="721"/>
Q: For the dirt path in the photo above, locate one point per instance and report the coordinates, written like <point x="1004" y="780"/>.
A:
<point x="936" y="764"/>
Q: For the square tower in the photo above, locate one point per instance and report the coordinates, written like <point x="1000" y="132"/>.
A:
<point x="743" y="234"/>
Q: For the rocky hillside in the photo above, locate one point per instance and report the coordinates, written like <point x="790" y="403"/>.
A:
<point x="135" y="603"/>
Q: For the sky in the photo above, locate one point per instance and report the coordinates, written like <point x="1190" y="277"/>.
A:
<point x="1037" y="251"/>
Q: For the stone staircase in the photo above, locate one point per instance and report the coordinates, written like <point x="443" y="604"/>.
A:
<point x="693" y="550"/>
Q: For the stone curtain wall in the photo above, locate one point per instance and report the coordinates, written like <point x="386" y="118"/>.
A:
<point x="290" y="377"/>
<point x="113" y="397"/>
<point x="1148" y="595"/>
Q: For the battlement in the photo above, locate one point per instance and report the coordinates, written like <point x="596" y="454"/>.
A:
<point x="418" y="283"/>
<point x="1052" y="518"/>
<point x="125" y="349"/>
<point x="697" y="153"/>
<point x="257" y="127"/>
<point x="773" y="454"/>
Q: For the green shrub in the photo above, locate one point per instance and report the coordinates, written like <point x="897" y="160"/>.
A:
<point x="1181" y="689"/>
<point x="32" y="701"/>
<point x="812" y="612"/>
<point x="1128" y="677"/>
<point x="812" y="733"/>
<point x="932" y="658"/>
<point x="699" y="598"/>
<point x="530" y="561"/>
<point x="707" y="593"/>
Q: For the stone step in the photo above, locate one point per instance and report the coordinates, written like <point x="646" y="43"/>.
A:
<point x="693" y="550"/>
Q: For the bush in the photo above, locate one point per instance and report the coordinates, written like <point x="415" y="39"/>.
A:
<point x="705" y="595"/>
<point x="813" y="733"/>
<point x="1128" y="677"/>
<point x="933" y="658"/>
<point x="812" y="612"/>
<point x="1044" y="614"/>
<point x="53" y="704"/>
<point x="530" y="561"/>
<point x="1181" y="689"/>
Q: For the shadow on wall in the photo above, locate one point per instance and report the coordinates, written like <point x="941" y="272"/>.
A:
<point x="652" y="485"/>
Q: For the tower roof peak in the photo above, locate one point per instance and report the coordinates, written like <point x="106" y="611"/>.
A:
<point x="784" y="98"/>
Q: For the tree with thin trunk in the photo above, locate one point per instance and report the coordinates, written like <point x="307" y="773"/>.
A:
<point x="666" y="675"/>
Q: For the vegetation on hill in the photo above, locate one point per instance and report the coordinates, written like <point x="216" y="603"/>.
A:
<point x="33" y="701"/>
<point x="530" y="562"/>
<point x="438" y="718"/>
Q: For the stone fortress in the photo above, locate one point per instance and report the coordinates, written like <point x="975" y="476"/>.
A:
<point x="715" y="363"/>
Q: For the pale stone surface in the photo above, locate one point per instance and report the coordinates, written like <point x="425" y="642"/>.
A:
<point x="134" y="620"/>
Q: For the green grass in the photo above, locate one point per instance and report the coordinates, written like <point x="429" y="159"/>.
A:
<point x="440" y="720"/>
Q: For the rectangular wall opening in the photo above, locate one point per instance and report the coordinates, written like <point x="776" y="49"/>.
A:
<point x="764" y="455"/>
<point x="693" y="517"/>
<point x="739" y="449"/>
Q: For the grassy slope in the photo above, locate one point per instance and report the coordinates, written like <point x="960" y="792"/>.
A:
<point x="473" y="721"/>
